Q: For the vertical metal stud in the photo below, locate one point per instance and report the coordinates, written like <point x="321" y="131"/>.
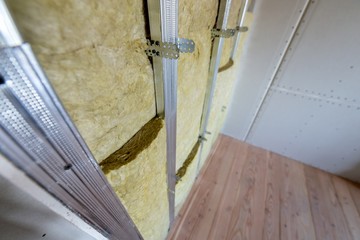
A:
<point x="163" y="15"/>
<point x="218" y="43"/>
<point x="243" y="9"/>
<point x="169" y="24"/>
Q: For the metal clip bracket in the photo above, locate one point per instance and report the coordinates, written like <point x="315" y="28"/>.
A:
<point x="227" y="33"/>
<point x="170" y="50"/>
<point x="242" y="29"/>
<point x="162" y="49"/>
<point x="185" y="45"/>
<point x="202" y="139"/>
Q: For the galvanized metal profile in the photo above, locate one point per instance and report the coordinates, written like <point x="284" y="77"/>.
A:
<point x="155" y="32"/>
<point x="169" y="32"/>
<point x="37" y="135"/>
<point x="278" y="66"/>
<point x="22" y="182"/>
<point x="223" y="15"/>
<point x="163" y="17"/>
<point x="243" y="8"/>
<point x="9" y="36"/>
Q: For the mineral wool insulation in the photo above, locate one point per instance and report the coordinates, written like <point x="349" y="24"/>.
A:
<point x="93" y="54"/>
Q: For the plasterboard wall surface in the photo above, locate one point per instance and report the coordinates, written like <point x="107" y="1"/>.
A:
<point x="271" y="28"/>
<point x="23" y="217"/>
<point x="312" y="111"/>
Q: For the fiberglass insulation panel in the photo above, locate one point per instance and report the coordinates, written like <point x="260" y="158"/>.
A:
<point x="223" y="92"/>
<point x="93" y="54"/>
<point x="196" y="19"/>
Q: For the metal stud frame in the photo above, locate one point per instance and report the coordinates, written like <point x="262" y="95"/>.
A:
<point x="37" y="135"/>
<point x="163" y="16"/>
<point x="218" y="43"/>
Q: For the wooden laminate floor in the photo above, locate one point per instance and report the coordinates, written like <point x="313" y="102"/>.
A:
<point x="248" y="193"/>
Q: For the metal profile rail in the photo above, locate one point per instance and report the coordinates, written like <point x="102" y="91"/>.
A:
<point x="243" y="9"/>
<point x="217" y="48"/>
<point x="240" y="29"/>
<point x="37" y="135"/>
<point x="163" y="16"/>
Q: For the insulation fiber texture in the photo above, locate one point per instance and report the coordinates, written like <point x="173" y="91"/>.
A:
<point x="185" y="184"/>
<point x="142" y="188"/>
<point x="130" y="150"/>
<point x="223" y="92"/>
<point x="232" y="23"/>
<point x="196" y="19"/>
<point x="93" y="54"/>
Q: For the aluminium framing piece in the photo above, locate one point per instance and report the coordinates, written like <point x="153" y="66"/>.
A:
<point x="39" y="138"/>
<point x="243" y="8"/>
<point x="163" y="17"/>
<point x="223" y="15"/>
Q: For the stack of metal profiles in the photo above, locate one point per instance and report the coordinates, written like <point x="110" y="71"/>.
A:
<point x="39" y="138"/>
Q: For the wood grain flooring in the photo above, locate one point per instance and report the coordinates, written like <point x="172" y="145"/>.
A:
<point x="244" y="192"/>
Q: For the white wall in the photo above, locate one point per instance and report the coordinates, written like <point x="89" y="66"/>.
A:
<point x="312" y="110"/>
<point x="23" y="217"/>
<point x="29" y="212"/>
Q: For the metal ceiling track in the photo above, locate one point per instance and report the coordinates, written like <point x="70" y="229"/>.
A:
<point x="163" y="17"/>
<point x="38" y="137"/>
<point x="223" y="15"/>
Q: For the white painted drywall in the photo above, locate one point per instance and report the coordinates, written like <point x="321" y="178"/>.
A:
<point x="312" y="111"/>
<point x="29" y="212"/>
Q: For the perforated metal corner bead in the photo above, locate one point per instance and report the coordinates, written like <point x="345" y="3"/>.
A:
<point x="162" y="49"/>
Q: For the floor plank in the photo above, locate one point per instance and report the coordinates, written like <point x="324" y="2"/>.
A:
<point x="222" y="219"/>
<point x="209" y="213"/>
<point x="295" y="214"/>
<point x="272" y="202"/>
<point x="207" y="195"/>
<point x="348" y="206"/>
<point x="355" y="194"/>
<point x="245" y="192"/>
<point x="247" y="216"/>
<point x="326" y="211"/>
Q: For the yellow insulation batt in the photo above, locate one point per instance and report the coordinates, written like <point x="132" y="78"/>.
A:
<point x="196" y="19"/>
<point x="142" y="188"/>
<point x="232" y="23"/>
<point x="223" y="92"/>
<point x="93" y="54"/>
